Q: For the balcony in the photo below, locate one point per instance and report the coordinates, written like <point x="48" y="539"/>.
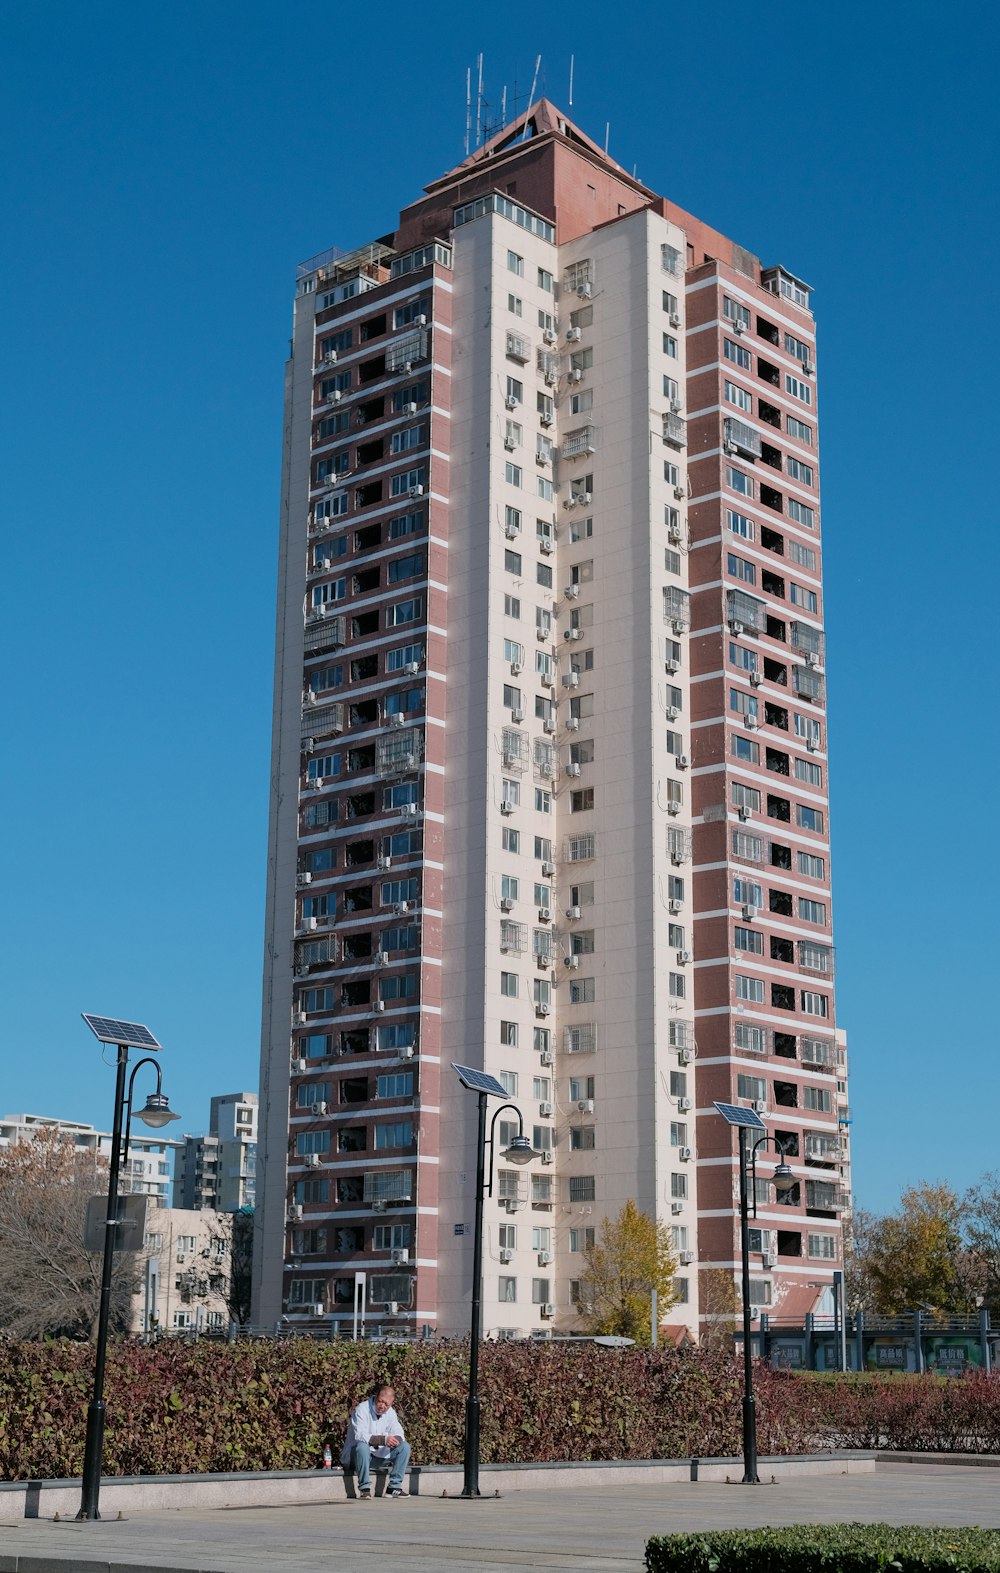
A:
<point x="744" y="612"/>
<point x="322" y="720"/>
<point x="809" y="684"/>
<point x="402" y="354"/>
<point x="819" y="1053"/>
<point x="674" y="430"/>
<point x="517" y="347"/>
<point x="324" y="633"/>
<point x="741" y="438"/>
<point x="399" y="753"/>
<point x="578" y="442"/>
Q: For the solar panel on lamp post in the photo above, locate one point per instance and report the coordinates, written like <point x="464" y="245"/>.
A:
<point x="749" y="1120"/>
<point x="123" y="1035"/>
<point x="519" y="1151"/>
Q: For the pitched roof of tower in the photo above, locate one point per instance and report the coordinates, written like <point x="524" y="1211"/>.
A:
<point x="540" y="119"/>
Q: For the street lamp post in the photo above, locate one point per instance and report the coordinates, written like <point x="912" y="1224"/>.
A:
<point x="520" y="1151"/>
<point x="122" y="1035"/>
<point x="783" y="1179"/>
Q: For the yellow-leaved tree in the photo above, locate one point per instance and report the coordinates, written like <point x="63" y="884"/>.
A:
<point x="631" y="1256"/>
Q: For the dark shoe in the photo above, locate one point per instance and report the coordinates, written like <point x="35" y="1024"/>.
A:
<point x="365" y="1493"/>
<point x="396" y="1491"/>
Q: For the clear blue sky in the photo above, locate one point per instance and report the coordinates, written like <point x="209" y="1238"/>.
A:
<point x="172" y="165"/>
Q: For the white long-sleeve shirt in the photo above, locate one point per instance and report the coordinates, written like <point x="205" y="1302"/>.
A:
<point x="365" y="1423"/>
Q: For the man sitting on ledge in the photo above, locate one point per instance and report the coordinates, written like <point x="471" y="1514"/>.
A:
<point x="374" y="1432"/>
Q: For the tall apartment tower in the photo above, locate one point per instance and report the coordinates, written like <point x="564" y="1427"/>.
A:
<point x="549" y="789"/>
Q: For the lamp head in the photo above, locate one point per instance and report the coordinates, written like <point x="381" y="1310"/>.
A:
<point x="520" y="1151"/>
<point x="783" y="1177"/>
<point x="157" y="1112"/>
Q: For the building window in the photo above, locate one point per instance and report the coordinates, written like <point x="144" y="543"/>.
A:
<point x="509" y="985"/>
<point x="748" y="988"/>
<point x="515" y="264"/>
<point x="582" y="1188"/>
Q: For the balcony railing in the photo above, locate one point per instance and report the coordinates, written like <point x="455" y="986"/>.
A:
<point x="578" y="442"/>
<point x="322" y="720"/>
<point x="674" y="429"/>
<point x="741" y="438"/>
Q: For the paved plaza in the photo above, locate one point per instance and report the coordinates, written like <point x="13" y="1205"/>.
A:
<point x="597" y="1530"/>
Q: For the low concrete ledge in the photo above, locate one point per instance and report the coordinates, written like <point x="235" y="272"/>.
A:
<point x="963" y="1460"/>
<point x="281" y="1488"/>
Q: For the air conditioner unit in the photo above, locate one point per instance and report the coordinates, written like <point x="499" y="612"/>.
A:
<point x="573" y="335"/>
<point x="572" y="770"/>
<point x="416" y="491"/>
<point x="675" y="535"/>
<point x="548" y="869"/>
<point x="545" y="1110"/>
<point x="406" y="1052"/>
<point x="506" y="1255"/>
<point x="516" y="668"/>
<point x="572" y="592"/>
<point x="549" y="725"/>
<point x="573" y="633"/>
<point x="509" y="444"/>
<point x="760" y="1104"/>
<point x="546" y="420"/>
<point x="751" y="723"/>
<point x="300" y="1018"/>
<point x="545" y="1258"/>
<point x="309" y="924"/>
<point x="739" y="326"/>
<point x="379" y="1006"/>
<point x="685" y="1056"/>
<point x="542" y="634"/>
<point x="506" y="905"/>
<point x="585" y="290"/>
<point x="547" y="680"/>
<point x="300" y="1067"/>
<point x="517" y="714"/>
<point x="550" y="336"/>
<point x="571" y="680"/>
<point x="543" y="1010"/>
<point x="400" y="1257"/>
<point x="674" y="807"/>
<point x="812" y="658"/>
<point x="743" y="812"/>
<point x="542" y="961"/>
<point x="683" y="957"/>
<point x="576" y="374"/>
<point x="679" y="625"/>
<point x="756" y="678"/>
<point x="673" y="905"/>
<point x="295" y="1213"/>
<point x="749" y="911"/>
<point x="511" y="401"/>
<point x="548" y="1309"/>
<point x="572" y="962"/>
<point x="397" y="720"/>
<point x="401" y="907"/>
<point x="506" y="807"/>
<point x="808" y="367"/>
<point x="671" y="712"/>
<point x="735" y="627"/>
<point x="511" y="531"/>
<point x="585" y="1105"/>
<point x="573" y="913"/>
<point x="545" y="914"/>
<point x="321" y="1107"/>
<point x="330" y="358"/>
<point x="685" y="1258"/>
<point x="336" y="397"/>
<point x="573" y="724"/>
<point x="312" y="1160"/>
<point x="410" y="810"/>
<point x="303" y="879"/>
<point x="684" y="1154"/>
<point x="545" y="1057"/>
<point x="675" y="319"/>
<point x="410" y="409"/>
<point x="684" y="1103"/>
<point x="545" y="546"/>
<point x="812" y="743"/>
<point x="682" y="761"/>
<point x="676" y="1207"/>
<point x="513" y="1204"/>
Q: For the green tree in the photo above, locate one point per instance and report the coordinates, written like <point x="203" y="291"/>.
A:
<point x="719" y="1306"/>
<point x="632" y="1255"/>
<point x="982" y="1231"/>
<point x="916" y="1257"/>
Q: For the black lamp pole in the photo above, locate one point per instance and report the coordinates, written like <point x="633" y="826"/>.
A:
<point x="472" y="1406"/>
<point x="750" y="1475"/>
<point x="520" y="1151"/>
<point x="156" y="1112"/>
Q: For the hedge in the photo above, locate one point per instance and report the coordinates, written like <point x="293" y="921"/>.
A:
<point x="177" y="1408"/>
<point x="827" y="1548"/>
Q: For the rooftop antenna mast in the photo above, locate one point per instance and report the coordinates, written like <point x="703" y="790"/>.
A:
<point x="534" y="82"/>
<point x="607" y="136"/>
<point x="503" y="108"/>
<point x="479" y="101"/>
<point x="468" y="107"/>
<point x="571" y="60"/>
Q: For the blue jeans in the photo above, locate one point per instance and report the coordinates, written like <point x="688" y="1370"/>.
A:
<point x="361" y="1463"/>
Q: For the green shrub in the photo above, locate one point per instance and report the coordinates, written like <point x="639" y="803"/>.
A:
<point x="178" y="1408"/>
<point x="827" y="1548"/>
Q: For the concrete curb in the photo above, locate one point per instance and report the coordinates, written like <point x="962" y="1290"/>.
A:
<point x="151" y="1493"/>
